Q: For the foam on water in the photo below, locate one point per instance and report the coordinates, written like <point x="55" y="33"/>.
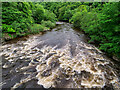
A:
<point x="88" y="70"/>
<point x="58" y="67"/>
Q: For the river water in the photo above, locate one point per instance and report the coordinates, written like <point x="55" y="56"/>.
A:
<point x="60" y="58"/>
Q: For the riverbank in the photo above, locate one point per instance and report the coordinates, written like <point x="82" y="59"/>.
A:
<point x="8" y="39"/>
<point x="60" y="58"/>
<point x="35" y="29"/>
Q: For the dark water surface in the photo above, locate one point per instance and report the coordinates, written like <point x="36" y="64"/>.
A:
<point x="57" y="58"/>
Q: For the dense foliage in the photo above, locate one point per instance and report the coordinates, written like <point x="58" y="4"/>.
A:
<point x="99" y="20"/>
<point x="63" y="10"/>
<point x="102" y="26"/>
<point x="22" y="18"/>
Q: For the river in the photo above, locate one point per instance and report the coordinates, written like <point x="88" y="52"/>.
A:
<point x="60" y="58"/>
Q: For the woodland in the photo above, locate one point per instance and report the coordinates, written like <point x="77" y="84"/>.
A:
<point x="99" y="20"/>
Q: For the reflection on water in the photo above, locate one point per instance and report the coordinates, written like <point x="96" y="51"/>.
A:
<point x="58" y="58"/>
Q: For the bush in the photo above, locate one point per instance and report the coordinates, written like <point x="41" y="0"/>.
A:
<point x="48" y="24"/>
<point x="68" y="14"/>
<point x="36" y="28"/>
<point x="76" y="19"/>
<point x="16" y="17"/>
<point x="102" y="26"/>
<point x="38" y="13"/>
<point x="49" y="16"/>
<point x="7" y="28"/>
